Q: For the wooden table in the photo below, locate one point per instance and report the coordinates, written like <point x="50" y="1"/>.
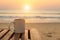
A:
<point x="31" y="34"/>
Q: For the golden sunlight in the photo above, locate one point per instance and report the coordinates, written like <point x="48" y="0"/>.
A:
<point x="27" y="7"/>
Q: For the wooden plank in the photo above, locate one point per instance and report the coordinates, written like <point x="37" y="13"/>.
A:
<point x="17" y="35"/>
<point x="12" y="37"/>
<point x="26" y="34"/>
<point x="20" y="36"/>
<point x="7" y="36"/>
<point x="3" y="32"/>
<point x="23" y="36"/>
<point x="0" y="29"/>
<point x="34" y="34"/>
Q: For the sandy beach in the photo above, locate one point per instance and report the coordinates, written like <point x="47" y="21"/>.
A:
<point x="47" y="31"/>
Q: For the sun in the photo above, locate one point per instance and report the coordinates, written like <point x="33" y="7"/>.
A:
<point x="27" y="7"/>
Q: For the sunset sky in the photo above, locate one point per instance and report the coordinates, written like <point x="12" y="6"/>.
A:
<point x="47" y="5"/>
<point x="31" y="6"/>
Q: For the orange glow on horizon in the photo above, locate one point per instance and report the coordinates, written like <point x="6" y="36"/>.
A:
<point x="19" y="4"/>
